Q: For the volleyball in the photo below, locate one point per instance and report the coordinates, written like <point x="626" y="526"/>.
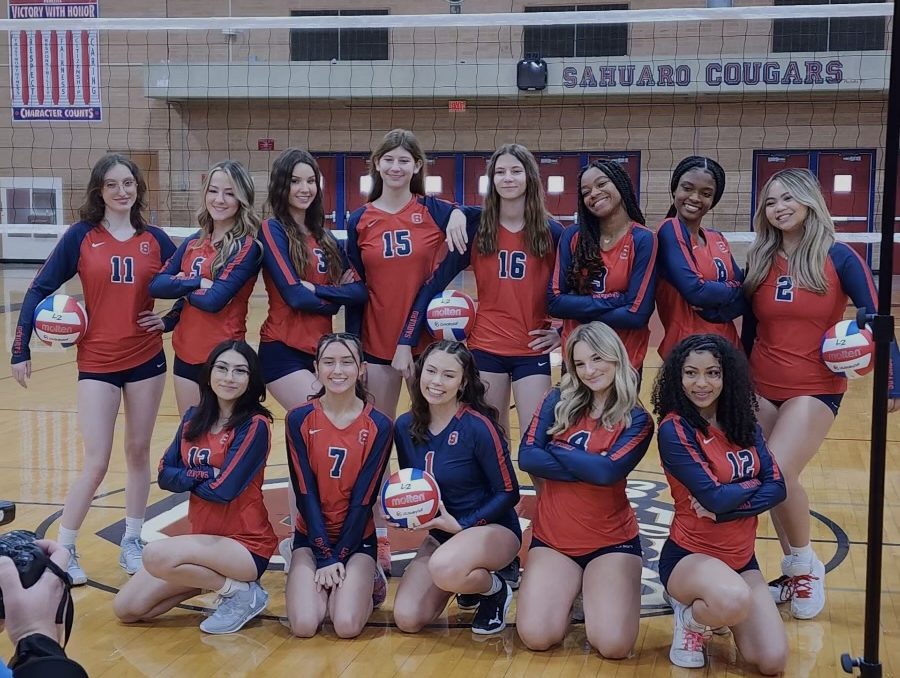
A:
<point x="451" y="315"/>
<point x="60" y="320"/>
<point x="410" y="497"/>
<point x="848" y="350"/>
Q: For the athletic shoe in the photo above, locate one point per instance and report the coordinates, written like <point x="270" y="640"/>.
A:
<point x="491" y="614"/>
<point x="688" y="646"/>
<point x="780" y="589"/>
<point x="286" y="551"/>
<point x="577" y="612"/>
<point x="379" y="591"/>
<point x="384" y="555"/>
<point x="512" y="573"/>
<point x="131" y="554"/>
<point x="79" y="578"/>
<point x="236" y="610"/>
<point x="467" y="601"/>
<point x="808" y="585"/>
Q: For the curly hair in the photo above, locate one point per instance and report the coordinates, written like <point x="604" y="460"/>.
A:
<point x="700" y="162"/>
<point x="471" y="391"/>
<point x="736" y="406"/>
<point x="587" y="264"/>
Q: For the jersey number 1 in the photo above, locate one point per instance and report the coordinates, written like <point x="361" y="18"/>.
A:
<point x="122" y="269"/>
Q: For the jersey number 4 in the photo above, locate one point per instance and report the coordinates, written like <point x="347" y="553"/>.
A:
<point x="122" y="269"/>
<point x="339" y="454"/>
<point x="512" y="264"/>
<point x="741" y="464"/>
<point x="397" y="244"/>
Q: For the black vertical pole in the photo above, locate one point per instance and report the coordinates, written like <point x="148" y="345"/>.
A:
<point x="882" y="325"/>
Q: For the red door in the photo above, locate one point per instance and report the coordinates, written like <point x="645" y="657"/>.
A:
<point x="475" y="179"/>
<point x="766" y="164"/>
<point x="356" y="182"/>
<point x="630" y="162"/>
<point x="846" y="179"/>
<point x="559" y="174"/>
<point x="440" y="179"/>
<point x="328" y="168"/>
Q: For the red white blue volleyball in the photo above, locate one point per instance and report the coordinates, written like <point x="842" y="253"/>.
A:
<point x="410" y="497"/>
<point x="60" y="320"/>
<point x="451" y="315"/>
<point x="849" y="350"/>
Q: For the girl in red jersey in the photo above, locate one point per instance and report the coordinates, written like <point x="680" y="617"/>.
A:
<point x="606" y="263"/>
<point x="586" y="437"/>
<point x="798" y="283"/>
<point x="699" y="286"/>
<point x="339" y="446"/>
<point x="307" y="278"/>
<point x="115" y="254"/>
<point x="214" y="270"/>
<point x="722" y="476"/>
<point x="219" y="456"/>
<point x="394" y="243"/>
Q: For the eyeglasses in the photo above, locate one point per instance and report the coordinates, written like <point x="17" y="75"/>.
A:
<point x="223" y="370"/>
<point x="127" y="184"/>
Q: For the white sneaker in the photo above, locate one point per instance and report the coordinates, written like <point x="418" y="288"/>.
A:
<point x="131" y="554"/>
<point x="79" y="578"/>
<point x="286" y="551"/>
<point x="688" y="646"/>
<point x="808" y="586"/>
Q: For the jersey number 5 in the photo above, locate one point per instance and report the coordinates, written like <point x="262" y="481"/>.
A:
<point x="339" y="454"/>
<point x="784" y="288"/>
<point x="396" y="244"/>
<point x="122" y="269"/>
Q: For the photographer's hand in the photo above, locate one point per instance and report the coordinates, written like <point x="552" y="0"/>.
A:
<point x="33" y="610"/>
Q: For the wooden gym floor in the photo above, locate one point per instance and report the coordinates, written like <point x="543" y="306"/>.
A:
<point x="42" y="457"/>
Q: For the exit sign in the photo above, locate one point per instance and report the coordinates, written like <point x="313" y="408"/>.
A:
<point x="456" y="105"/>
<point x="265" y="144"/>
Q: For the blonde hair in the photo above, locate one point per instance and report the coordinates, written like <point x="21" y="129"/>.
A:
<point x="246" y="221"/>
<point x="576" y="399"/>
<point x="806" y="264"/>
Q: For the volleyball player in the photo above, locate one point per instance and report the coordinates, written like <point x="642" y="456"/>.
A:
<point x="214" y="270"/>
<point x="606" y="263"/>
<point x="586" y="437"/>
<point x="115" y="254"/>
<point x="218" y="455"/>
<point x="394" y="243"/>
<point x="339" y="446"/>
<point x="699" y="287"/>
<point x="798" y="282"/>
<point x="307" y="279"/>
<point x="451" y="432"/>
<point x="721" y="476"/>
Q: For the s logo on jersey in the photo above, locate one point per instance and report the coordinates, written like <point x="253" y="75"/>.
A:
<point x="363" y="436"/>
<point x="144" y="248"/>
<point x="417" y="218"/>
<point x="453" y="438"/>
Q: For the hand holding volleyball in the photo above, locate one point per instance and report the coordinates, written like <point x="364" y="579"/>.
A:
<point x="410" y="497"/>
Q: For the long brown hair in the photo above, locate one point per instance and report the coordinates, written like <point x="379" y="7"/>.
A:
<point x="537" y="233"/>
<point x="354" y="345"/>
<point x="93" y="209"/>
<point x="398" y="138"/>
<point x="314" y="221"/>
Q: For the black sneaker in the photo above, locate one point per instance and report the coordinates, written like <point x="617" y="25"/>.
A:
<point x="467" y="601"/>
<point x="512" y="573"/>
<point x="491" y="615"/>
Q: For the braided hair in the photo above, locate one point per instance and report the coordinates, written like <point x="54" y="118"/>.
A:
<point x="691" y="162"/>
<point x="587" y="265"/>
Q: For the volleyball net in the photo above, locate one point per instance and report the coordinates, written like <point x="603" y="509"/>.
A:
<point x="757" y="88"/>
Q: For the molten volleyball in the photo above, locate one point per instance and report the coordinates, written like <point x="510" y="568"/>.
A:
<point x="410" y="497"/>
<point x="451" y="315"/>
<point x="60" y="320"/>
<point x="848" y="350"/>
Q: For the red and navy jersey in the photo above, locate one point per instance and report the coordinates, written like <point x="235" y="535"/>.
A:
<point x="512" y="291"/>
<point x="735" y="483"/>
<point x="699" y="287"/>
<point x="336" y="474"/>
<point x="297" y="316"/>
<point x="230" y="503"/>
<point x="394" y="254"/>
<point x="211" y="315"/>
<point x="623" y="295"/>
<point x="470" y="461"/>
<point x="784" y="330"/>
<point x="115" y="277"/>
<point x="582" y="505"/>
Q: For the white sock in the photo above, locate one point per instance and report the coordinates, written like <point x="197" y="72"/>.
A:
<point x="232" y="586"/>
<point x="496" y="585"/>
<point x="66" y="537"/>
<point x="133" y="528"/>
<point x="804" y="554"/>
<point x="786" y="562"/>
<point x="380" y="532"/>
<point x="687" y="616"/>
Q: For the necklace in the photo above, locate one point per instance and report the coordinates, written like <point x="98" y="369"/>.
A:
<point x="606" y="240"/>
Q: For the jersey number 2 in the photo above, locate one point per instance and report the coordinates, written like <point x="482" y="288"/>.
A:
<point x="397" y="244"/>
<point x="784" y="288"/>
<point x="122" y="269"/>
<point x="339" y="454"/>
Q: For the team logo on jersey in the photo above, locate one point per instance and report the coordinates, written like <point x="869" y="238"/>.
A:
<point x="363" y="436"/>
<point x="417" y="218"/>
<point x="626" y="251"/>
<point x="723" y="247"/>
<point x="452" y="438"/>
<point x="144" y="248"/>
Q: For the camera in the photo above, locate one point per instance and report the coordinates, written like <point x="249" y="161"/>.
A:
<point x="20" y="547"/>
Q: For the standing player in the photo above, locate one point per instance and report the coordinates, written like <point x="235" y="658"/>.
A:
<point x="394" y="243"/>
<point x="699" y="286"/>
<point x="214" y="270"/>
<point x="722" y="477"/>
<point x="307" y="279"/>
<point x="606" y="263"/>
<point x="339" y="446"/>
<point x="219" y="456"/>
<point x="587" y="436"/>
<point x="452" y="433"/>
<point x="115" y="254"/>
<point x="798" y="282"/>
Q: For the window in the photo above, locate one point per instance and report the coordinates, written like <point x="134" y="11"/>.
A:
<point x="345" y="44"/>
<point x="31" y="200"/>
<point x="827" y="35"/>
<point x="576" y="40"/>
